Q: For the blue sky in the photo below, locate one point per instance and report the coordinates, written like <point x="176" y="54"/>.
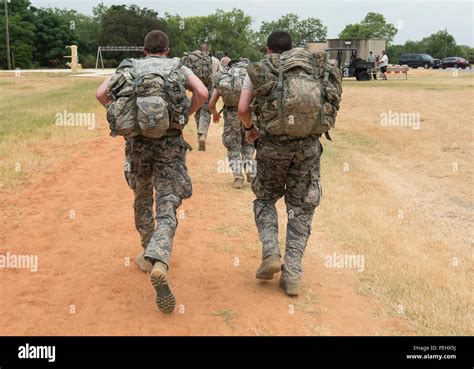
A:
<point x="415" y="19"/>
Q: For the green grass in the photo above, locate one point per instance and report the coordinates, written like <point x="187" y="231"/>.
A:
<point x="227" y="315"/>
<point x="28" y="134"/>
<point x="23" y="114"/>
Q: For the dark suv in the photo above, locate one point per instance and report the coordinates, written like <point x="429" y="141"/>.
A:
<point x="419" y="60"/>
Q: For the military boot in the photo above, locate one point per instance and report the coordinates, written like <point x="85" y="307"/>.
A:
<point x="164" y="296"/>
<point x="143" y="264"/>
<point x="238" y="183"/>
<point x="270" y="265"/>
<point x="290" y="288"/>
<point x="202" y="142"/>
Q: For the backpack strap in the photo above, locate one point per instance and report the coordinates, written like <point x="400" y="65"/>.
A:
<point x="279" y="95"/>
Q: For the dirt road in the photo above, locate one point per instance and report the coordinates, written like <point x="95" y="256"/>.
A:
<point x="79" y="221"/>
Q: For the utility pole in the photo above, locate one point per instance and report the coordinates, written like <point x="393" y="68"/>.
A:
<point x="7" y="36"/>
<point x="445" y="40"/>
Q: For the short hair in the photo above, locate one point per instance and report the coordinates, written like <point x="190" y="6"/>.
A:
<point x="226" y="54"/>
<point x="370" y="52"/>
<point x="279" y="41"/>
<point x="204" y="47"/>
<point x="156" y="42"/>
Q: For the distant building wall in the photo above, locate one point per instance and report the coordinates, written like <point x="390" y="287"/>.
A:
<point x="317" y="46"/>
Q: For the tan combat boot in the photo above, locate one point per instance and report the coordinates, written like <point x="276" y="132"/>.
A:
<point x="238" y="183"/>
<point x="270" y="265"/>
<point x="290" y="288"/>
<point x="143" y="264"/>
<point x="164" y="296"/>
<point x="202" y="142"/>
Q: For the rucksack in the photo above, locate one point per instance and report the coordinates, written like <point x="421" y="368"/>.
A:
<point x="148" y="98"/>
<point x="201" y="65"/>
<point x="228" y="83"/>
<point x="296" y="93"/>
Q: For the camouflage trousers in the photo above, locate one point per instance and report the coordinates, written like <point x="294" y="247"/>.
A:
<point x="157" y="167"/>
<point x="289" y="168"/>
<point x="203" y="117"/>
<point x="239" y="152"/>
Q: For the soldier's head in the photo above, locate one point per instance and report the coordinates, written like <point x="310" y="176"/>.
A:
<point x="204" y="47"/>
<point x="370" y="52"/>
<point x="278" y="42"/>
<point x="156" y="43"/>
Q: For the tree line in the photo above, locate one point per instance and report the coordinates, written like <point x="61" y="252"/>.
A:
<point x="39" y="36"/>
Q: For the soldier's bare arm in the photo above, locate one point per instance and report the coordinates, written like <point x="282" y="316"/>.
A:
<point x="216" y="117"/>
<point x="245" y="114"/>
<point x="200" y="92"/>
<point x="101" y="93"/>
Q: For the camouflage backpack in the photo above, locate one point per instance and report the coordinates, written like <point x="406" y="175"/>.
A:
<point x="297" y="93"/>
<point x="201" y="65"/>
<point x="148" y="98"/>
<point x="228" y="83"/>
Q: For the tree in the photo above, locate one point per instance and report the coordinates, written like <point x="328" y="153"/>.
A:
<point x="53" y="34"/>
<point x="439" y="45"/>
<point x="85" y="31"/>
<point x="302" y="31"/>
<point x="373" y="25"/>
<point x="223" y="31"/>
<point x="122" y="25"/>
<point x="22" y="34"/>
<point x="126" y="26"/>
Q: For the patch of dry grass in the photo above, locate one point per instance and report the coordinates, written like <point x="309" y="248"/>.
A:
<point x="30" y="142"/>
<point x="403" y="206"/>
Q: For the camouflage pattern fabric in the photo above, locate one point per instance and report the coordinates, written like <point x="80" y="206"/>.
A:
<point x="287" y="167"/>
<point x="157" y="166"/>
<point x="229" y="81"/>
<point x="201" y="64"/>
<point x="203" y="117"/>
<point x="297" y="93"/>
<point x="233" y="138"/>
<point x="148" y="97"/>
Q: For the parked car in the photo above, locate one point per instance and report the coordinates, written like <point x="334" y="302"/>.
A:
<point x="436" y="63"/>
<point x="419" y="60"/>
<point x="454" y="62"/>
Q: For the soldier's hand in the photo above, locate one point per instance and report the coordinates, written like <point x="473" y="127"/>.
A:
<point x="252" y="135"/>
<point x="216" y="117"/>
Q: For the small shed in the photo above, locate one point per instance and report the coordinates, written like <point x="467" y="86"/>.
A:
<point x="363" y="45"/>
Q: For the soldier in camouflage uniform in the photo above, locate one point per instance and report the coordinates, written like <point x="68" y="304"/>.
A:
<point x="158" y="166"/>
<point x="239" y="152"/>
<point x="203" y="120"/>
<point x="286" y="166"/>
<point x="203" y="115"/>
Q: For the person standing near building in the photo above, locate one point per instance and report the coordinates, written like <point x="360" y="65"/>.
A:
<point x="383" y="63"/>
<point x="371" y="58"/>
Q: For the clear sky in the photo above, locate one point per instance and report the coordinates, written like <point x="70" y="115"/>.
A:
<point x="414" y="18"/>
